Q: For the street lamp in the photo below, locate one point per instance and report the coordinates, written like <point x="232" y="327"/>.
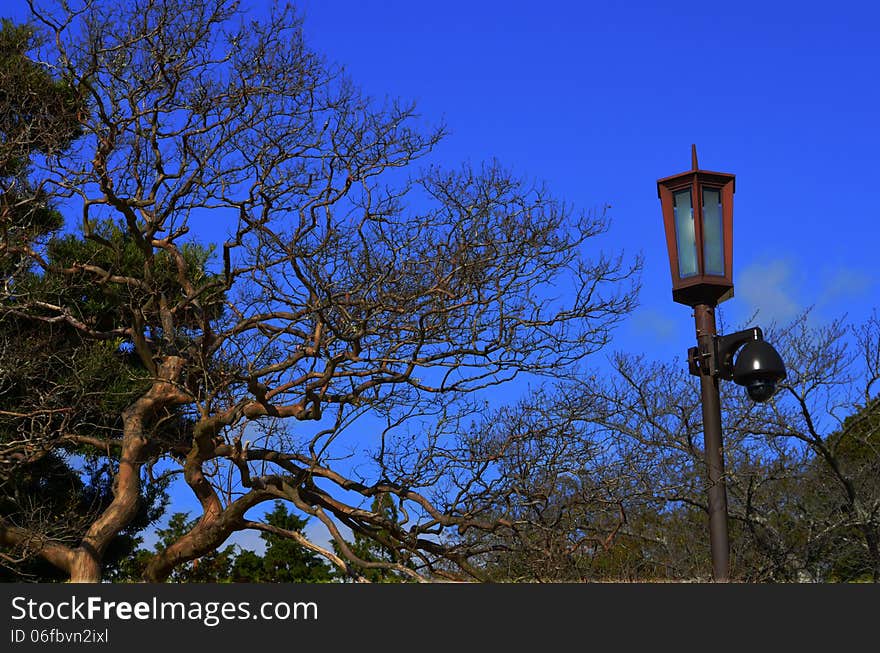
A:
<point x="698" y="220"/>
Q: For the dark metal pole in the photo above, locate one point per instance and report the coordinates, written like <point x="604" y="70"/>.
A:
<point x="704" y="316"/>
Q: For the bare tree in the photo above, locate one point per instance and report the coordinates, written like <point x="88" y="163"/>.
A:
<point x="355" y="304"/>
<point x="560" y="484"/>
<point x="829" y="413"/>
<point x="801" y="471"/>
<point x="603" y="477"/>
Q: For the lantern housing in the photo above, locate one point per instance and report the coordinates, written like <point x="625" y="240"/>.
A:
<point x="698" y="221"/>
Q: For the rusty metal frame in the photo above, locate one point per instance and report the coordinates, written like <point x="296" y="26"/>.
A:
<point x="700" y="288"/>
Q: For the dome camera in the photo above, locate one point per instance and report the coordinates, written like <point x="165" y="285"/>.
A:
<point x="759" y="368"/>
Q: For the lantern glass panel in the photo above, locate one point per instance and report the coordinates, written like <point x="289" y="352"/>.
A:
<point x="713" y="232"/>
<point x="685" y="236"/>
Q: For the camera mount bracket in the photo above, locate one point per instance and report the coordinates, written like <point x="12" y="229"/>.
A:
<point x="715" y="357"/>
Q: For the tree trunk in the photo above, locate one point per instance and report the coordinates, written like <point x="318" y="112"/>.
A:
<point x="191" y="546"/>
<point x="85" y="566"/>
<point x="209" y="533"/>
<point x="873" y="543"/>
<point x="88" y="557"/>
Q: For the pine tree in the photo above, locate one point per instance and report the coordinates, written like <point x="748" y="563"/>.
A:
<point x="370" y="549"/>
<point x="59" y="393"/>
<point x="285" y="560"/>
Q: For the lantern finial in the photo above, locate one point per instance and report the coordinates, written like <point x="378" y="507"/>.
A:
<point x="694" y="165"/>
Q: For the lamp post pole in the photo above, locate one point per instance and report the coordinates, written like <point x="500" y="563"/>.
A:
<point x="704" y="317"/>
<point x="698" y="222"/>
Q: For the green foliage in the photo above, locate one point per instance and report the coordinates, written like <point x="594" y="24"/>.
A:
<point x="112" y="249"/>
<point x="61" y="498"/>
<point x="38" y="116"/>
<point x="51" y="367"/>
<point x="212" y="568"/>
<point x="38" y="113"/>
<point x="371" y="550"/>
<point x="857" y="442"/>
<point x="856" y="447"/>
<point x="285" y="560"/>
<point x="55" y="384"/>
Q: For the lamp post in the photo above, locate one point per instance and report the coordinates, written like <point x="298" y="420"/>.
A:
<point x="698" y="220"/>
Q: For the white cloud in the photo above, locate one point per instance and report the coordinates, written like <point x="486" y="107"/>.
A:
<point x="318" y="533"/>
<point x="769" y="291"/>
<point x="649" y="323"/>
<point x="845" y="283"/>
<point x="248" y="540"/>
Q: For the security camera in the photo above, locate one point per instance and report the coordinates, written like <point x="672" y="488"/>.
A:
<point x="759" y="368"/>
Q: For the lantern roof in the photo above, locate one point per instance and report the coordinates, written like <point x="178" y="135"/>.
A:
<point x="704" y="175"/>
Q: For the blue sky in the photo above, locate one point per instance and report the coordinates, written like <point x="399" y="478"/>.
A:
<point x="600" y="99"/>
